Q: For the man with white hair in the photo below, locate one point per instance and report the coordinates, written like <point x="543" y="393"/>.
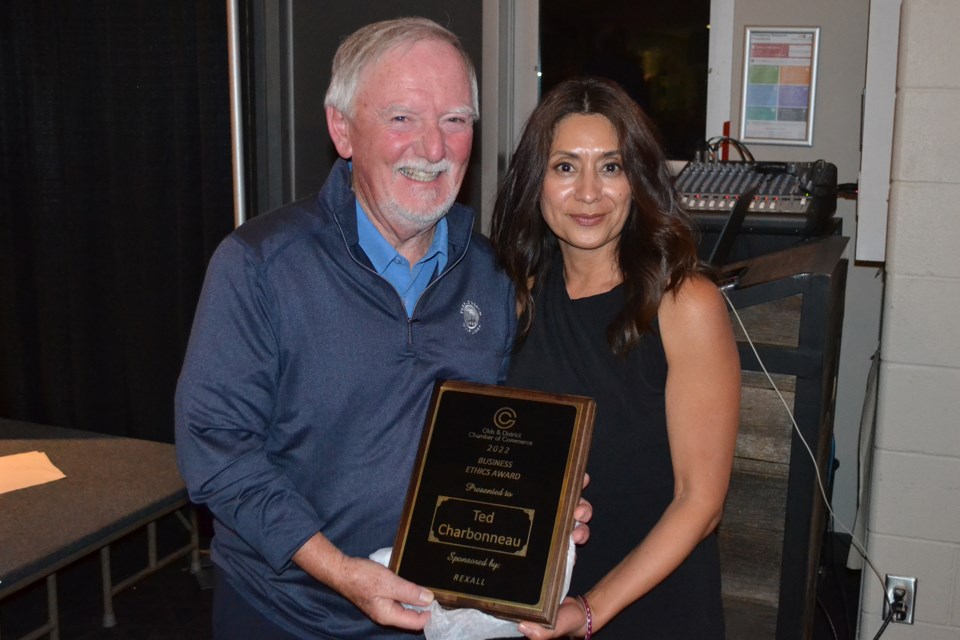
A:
<point x="320" y="331"/>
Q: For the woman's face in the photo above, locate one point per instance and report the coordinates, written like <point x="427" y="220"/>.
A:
<point x="586" y="196"/>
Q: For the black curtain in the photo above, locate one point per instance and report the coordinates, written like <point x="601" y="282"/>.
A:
<point x="115" y="187"/>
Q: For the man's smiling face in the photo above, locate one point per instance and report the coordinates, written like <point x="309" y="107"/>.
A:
<point x="409" y="136"/>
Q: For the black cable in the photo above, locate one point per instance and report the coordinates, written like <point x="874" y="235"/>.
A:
<point x="843" y="600"/>
<point x="884" y="625"/>
<point x="826" y="614"/>
<point x="713" y="146"/>
<point x="838" y="568"/>
<point x="830" y="564"/>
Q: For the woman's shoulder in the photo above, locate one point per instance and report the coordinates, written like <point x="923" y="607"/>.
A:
<point x="695" y="294"/>
<point x="694" y="315"/>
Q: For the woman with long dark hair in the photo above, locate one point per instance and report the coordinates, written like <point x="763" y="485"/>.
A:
<point x="614" y="304"/>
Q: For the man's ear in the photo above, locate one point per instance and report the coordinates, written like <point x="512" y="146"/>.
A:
<point x="339" y="127"/>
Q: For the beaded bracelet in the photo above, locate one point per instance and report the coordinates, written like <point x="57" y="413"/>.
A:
<point x="586" y="610"/>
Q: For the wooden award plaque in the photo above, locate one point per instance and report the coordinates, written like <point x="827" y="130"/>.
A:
<point x="489" y="509"/>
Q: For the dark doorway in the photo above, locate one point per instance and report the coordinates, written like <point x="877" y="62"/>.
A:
<point x="657" y="51"/>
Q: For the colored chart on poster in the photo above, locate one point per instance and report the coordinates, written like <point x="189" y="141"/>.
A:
<point x="779" y="83"/>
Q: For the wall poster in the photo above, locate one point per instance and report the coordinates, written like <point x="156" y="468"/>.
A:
<point x="779" y="85"/>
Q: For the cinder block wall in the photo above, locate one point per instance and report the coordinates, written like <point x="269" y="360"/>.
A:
<point x="914" y="512"/>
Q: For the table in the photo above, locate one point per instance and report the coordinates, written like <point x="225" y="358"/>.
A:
<point x="113" y="486"/>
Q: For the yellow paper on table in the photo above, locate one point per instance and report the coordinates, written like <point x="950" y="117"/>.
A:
<point x="22" y="470"/>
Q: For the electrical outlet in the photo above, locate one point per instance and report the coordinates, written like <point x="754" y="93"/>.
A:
<point x="909" y="587"/>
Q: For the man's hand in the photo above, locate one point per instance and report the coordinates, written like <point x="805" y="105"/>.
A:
<point x="582" y="515"/>
<point x="381" y="594"/>
<point x="373" y="588"/>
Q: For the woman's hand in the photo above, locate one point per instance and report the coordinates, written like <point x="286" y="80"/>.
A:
<point x="571" y="620"/>
<point x="582" y="515"/>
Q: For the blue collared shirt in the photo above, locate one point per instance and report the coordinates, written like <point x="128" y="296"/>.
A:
<point x="409" y="283"/>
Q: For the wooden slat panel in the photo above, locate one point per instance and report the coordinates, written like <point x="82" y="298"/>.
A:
<point x="747" y="619"/>
<point x="750" y="565"/>
<point x="765" y="426"/>
<point x="758" y="380"/>
<point x="774" y="323"/>
<point x="751" y="532"/>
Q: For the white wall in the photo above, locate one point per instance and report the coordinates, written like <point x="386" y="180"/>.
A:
<point x="836" y="138"/>
<point x="914" y="513"/>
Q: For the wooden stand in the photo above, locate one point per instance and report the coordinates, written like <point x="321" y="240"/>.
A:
<point x="791" y="303"/>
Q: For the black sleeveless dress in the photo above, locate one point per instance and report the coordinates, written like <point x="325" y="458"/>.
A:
<point x="629" y="462"/>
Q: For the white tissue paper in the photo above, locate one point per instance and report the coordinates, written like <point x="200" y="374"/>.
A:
<point x="471" y="624"/>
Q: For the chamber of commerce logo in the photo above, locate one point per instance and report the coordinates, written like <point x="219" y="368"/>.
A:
<point x="504" y="418"/>
<point x="471" y="316"/>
